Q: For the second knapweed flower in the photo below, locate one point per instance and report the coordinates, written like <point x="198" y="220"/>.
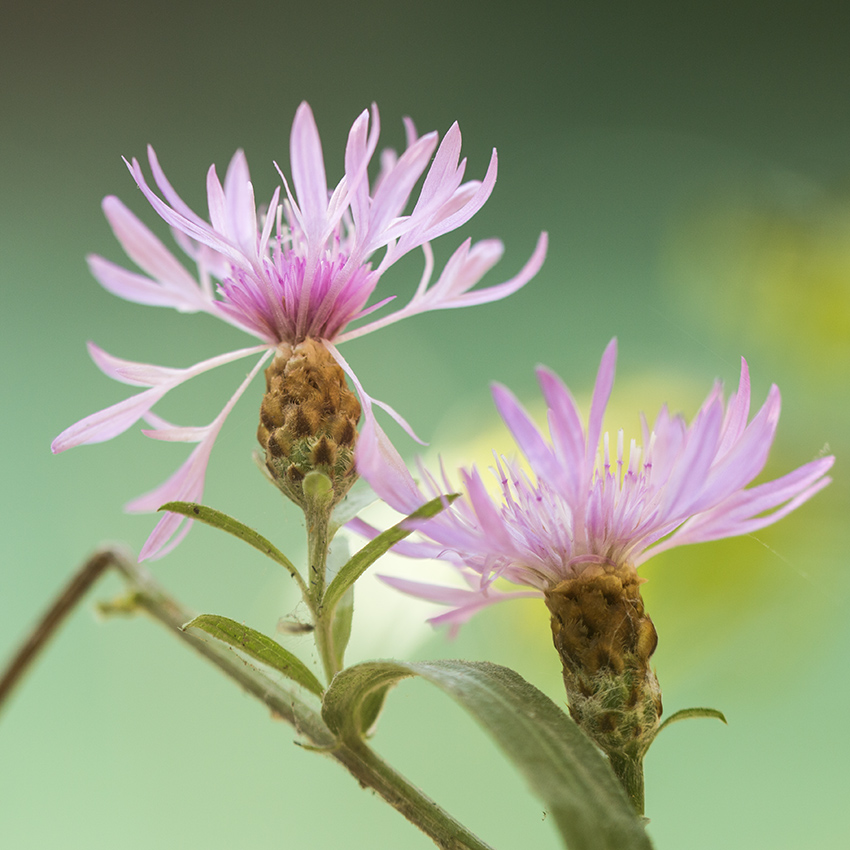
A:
<point x="577" y="528"/>
<point x="295" y="275"/>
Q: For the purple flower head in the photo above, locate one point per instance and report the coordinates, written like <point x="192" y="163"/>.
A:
<point x="591" y="501"/>
<point x="304" y="267"/>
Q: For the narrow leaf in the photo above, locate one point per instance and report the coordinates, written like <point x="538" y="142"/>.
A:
<point x="563" y="768"/>
<point x="257" y="646"/>
<point x="338" y="556"/>
<point x="373" y="550"/>
<point x="341" y="633"/>
<point x="371" y="709"/>
<point x="217" y="519"/>
<point x="685" y="713"/>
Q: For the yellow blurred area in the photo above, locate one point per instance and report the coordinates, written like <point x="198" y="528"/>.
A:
<point x="774" y="269"/>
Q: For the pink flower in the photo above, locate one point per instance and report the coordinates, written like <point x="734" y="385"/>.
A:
<point x="587" y="507"/>
<point x="302" y="269"/>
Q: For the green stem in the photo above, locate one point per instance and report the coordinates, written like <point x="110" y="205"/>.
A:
<point x="370" y="769"/>
<point x="317" y="517"/>
<point x="359" y="759"/>
<point x="317" y="550"/>
<point x="629" y="770"/>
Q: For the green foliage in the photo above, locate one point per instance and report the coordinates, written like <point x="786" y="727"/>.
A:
<point x="341" y="630"/>
<point x="257" y="646"/>
<point x="561" y="765"/>
<point x="373" y="550"/>
<point x="686" y="713"/>
<point x="217" y="519"/>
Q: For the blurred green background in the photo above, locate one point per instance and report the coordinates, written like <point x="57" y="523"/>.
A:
<point x="691" y="166"/>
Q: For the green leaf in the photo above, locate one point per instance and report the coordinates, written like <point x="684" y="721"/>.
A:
<point x="257" y="646"/>
<point x="371" y="708"/>
<point x="564" y="769"/>
<point x="338" y="555"/>
<point x="217" y="519"/>
<point x="341" y="633"/>
<point x="685" y="713"/>
<point x="373" y="550"/>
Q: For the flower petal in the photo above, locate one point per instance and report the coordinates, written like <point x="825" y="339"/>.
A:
<point x="114" y="420"/>
<point x="187" y="483"/>
<point x="109" y="422"/>
<point x="308" y="173"/>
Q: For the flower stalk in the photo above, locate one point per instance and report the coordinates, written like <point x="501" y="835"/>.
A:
<point x="323" y="619"/>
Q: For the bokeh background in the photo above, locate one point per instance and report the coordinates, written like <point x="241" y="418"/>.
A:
<point x="691" y="164"/>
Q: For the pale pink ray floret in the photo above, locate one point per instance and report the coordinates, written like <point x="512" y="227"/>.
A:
<point x="586" y="502"/>
<point x="302" y="266"/>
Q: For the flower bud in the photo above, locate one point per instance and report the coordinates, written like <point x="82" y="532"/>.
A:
<point x="308" y="421"/>
<point x="605" y="640"/>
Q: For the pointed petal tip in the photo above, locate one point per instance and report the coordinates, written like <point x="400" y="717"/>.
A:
<point x="607" y="366"/>
<point x="302" y="114"/>
<point x="501" y="394"/>
<point x="548" y="378"/>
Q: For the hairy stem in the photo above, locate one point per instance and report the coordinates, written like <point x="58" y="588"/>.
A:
<point x="630" y="773"/>
<point x="317" y="517"/>
<point x="371" y="770"/>
<point x="317" y="514"/>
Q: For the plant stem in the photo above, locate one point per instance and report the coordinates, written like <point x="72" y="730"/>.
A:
<point x="371" y="770"/>
<point x="629" y="771"/>
<point x="359" y="759"/>
<point x="317" y="516"/>
<point x="70" y="595"/>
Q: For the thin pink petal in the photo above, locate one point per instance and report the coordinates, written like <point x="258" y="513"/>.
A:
<point x="108" y="423"/>
<point x="308" y="171"/>
<point x="737" y="411"/>
<point x="130" y="372"/>
<point x="146" y="250"/>
<point x="142" y="290"/>
<point x="114" y="420"/>
<point x="601" y="393"/>
<point x="523" y="429"/>
<point x="377" y="460"/>
<point x="454" y="293"/>
<point x="240" y="205"/>
<point x="187" y="483"/>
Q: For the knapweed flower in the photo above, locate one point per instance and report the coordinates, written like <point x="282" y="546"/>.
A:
<point x="577" y="527"/>
<point x="302" y="269"/>
<point x="590" y="505"/>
